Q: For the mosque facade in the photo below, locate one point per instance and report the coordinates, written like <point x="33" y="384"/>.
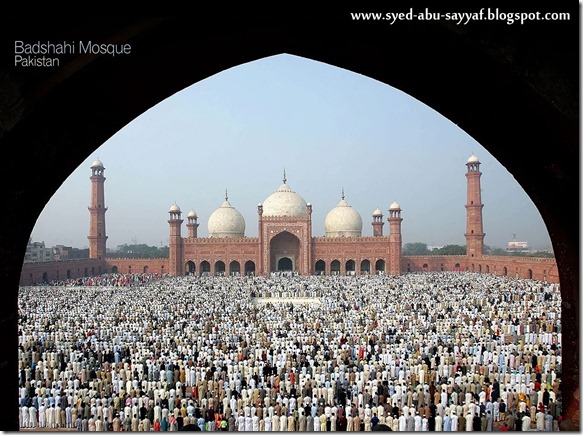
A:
<point x="286" y="244"/>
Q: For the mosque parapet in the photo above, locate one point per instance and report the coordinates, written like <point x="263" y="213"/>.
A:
<point x="355" y="239"/>
<point x="221" y="240"/>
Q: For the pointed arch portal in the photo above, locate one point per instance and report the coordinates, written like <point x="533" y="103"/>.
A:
<point x="510" y="105"/>
<point x="284" y="252"/>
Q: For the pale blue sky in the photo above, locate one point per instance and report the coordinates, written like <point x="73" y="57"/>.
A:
<point x="328" y="128"/>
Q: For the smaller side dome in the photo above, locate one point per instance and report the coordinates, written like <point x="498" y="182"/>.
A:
<point x="395" y="206"/>
<point x="473" y="159"/>
<point x="343" y="221"/>
<point x="377" y="212"/>
<point x="174" y="208"/>
<point x="192" y="214"/>
<point x="97" y="164"/>
<point x="226" y="221"/>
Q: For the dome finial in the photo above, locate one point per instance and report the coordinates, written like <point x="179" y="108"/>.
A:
<point x="342" y="192"/>
<point x="284" y="178"/>
<point x="226" y="195"/>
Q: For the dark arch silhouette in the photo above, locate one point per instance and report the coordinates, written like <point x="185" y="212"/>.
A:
<point x="320" y="267"/>
<point x="249" y="268"/>
<point x="284" y="264"/>
<point x="512" y="88"/>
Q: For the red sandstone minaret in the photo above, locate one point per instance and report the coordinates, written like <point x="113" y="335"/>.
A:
<point x="176" y="252"/>
<point x="377" y="223"/>
<point x="395" y="243"/>
<point x="97" y="236"/>
<point x="474" y="227"/>
<point x="192" y="224"/>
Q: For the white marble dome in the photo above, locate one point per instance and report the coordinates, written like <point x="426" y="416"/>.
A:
<point x="97" y="164"/>
<point x="377" y="212"/>
<point x="174" y="208"/>
<point x="192" y="214"/>
<point x="284" y="202"/>
<point x="226" y="221"/>
<point x="394" y="206"/>
<point x="343" y="221"/>
<point x="473" y="159"/>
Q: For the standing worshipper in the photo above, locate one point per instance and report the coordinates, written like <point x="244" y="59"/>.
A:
<point x="548" y="422"/>
<point x="540" y="421"/>
<point x="525" y="423"/>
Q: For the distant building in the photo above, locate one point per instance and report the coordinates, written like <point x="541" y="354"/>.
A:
<point x="64" y="253"/>
<point x="285" y="243"/>
<point x="517" y="246"/>
<point x="36" y="252"/>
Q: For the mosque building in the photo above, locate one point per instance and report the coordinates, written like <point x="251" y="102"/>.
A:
<point x="286" y="244"/>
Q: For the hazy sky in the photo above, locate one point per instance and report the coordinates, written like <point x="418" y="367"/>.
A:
<point x="328" y="128"/>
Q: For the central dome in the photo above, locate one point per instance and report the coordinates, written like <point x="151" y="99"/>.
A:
<point x="226" y="221"/>
<point x="284" y="202"/>
<point x="343" y="221"/>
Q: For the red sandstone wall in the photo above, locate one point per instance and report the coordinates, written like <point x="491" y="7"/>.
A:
<point x="213" y="250"/>
<point x="327" y="250"/>
<point x="344" y="249"/>
<point x="519" y="267"/>
<point x="138" y="265"/>
<point x="34" y="273"/>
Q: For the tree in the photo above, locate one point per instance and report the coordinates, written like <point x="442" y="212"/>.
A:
<point x="451" y="250"/>
<point x="416" y="248"/>
<point x="142" y="251"/>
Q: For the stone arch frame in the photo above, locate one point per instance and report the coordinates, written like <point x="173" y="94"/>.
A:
<point x="320" y="267"/>
<point x="546" y="100"/>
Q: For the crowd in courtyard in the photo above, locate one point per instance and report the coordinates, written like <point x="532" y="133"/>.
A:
<point x="438" y="351"/>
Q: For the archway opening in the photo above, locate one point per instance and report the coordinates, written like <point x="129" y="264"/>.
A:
<point x="365" y="267"/>
<point x="285" y="265"/>
<point x="350" y="267"/>
<point x="205" y="268"/>
<point x="234" y="268"/>
<point x="249" y="268"/>
<point x="284" y="246"/>
<point x="379" y="267"/>
<point x="219" y="268"/>
<point x="190" y="268"/>
<point x="320" y="267"/>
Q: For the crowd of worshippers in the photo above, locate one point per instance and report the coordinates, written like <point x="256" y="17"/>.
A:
<point x="441" y="351"/>
<point x="107" y="279"/>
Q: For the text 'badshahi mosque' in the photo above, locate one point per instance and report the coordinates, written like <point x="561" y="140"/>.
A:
<point x="285" y="243"/>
